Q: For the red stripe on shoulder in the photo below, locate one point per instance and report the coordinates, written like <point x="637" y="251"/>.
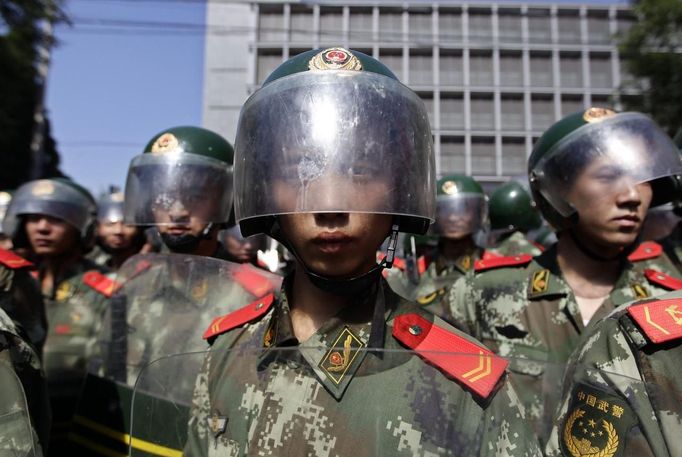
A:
<point x="14" y="261"/>
<point x="498" y="262"/>
<point x="661" y="320"/>
<point x="240" y="317"/>
<point x="252" y="281"/>
<point x="662" y="279"/>
<point x="100" y="283"/>
<point x="474" y="366"/>
<point x="645" y="251"/>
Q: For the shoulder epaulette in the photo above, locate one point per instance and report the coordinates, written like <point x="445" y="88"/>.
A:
<point x="100" y="283"/>
<point x="474" y="366"/>
<point x="645" y="251"/>
<point x="240" y="317"/>
<point x="253" y="282"/>
<point x="498" y="262"/>
<point x="662" y="279"/>
<point x="487" y="255"/>
<point x="13" y="261"/>
<point x="660" y="320"/>
<point x="423" y="263"/>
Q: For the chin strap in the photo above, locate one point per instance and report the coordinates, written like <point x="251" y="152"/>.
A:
<point x="622" y="255"/>
<point x="187" y="243"/>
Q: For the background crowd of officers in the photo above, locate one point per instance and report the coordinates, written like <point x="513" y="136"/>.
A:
<point x="556" y="273"/>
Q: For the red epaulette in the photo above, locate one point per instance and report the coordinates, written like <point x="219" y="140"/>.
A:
<point x="100" y="283"/>
<point x="660" y="320"/>
<point x="662" y="279"/>
<point x="474" y="366"/>
<point x="645" y="251"/>
<point x="399" y="263"/>
<point x="487" y="255"/>
<point x="423" y="263"/>
<point x="240" y="317"/>
<point x="537" y="245"/>
<point x="511" y="261"/>
<point x="252" y="281"/>
<point x="14" y="261"/>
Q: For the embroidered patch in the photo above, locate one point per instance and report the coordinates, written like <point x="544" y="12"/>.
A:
<point x="199" y="290"/>
<point x="661" y="320"/>
<point x="63" y="291"/>
<point x="465" y="263"/>
<point x="597" y="114"/>
<point x="165" y="143"/>
<point x="340" y="356"/>
<point x="540" y="282"/>
<point x="270" y="334"/>
<point x="639" y="290"/>
<point x="217" y="424"/>
<point x="428" y="299"/>
<point x="335" y="59"/>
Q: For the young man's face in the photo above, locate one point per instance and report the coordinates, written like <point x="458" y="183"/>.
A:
<point x="50" y="236"/>
<point x="177" y="215"/>
<point x="117" y="235"/>
<point x="611" y="208"/>
<point x="338" y="245"/>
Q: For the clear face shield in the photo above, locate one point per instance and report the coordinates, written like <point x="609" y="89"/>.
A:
<point x="340" y="141"/>
<point x="611" y="156"/>
<point x="50" y="198"/>
<point x="165" y="187"/>
<point x="460" y="215"/>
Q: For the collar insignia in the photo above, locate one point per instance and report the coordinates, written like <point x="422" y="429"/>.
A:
<point x="341" y="355"/>
<point x="335" y="59"/>
<point x="63" y="291"/>
<point x="540" y="282"/>
<point x="639" y="291"/>
<point x="217" y="424"/>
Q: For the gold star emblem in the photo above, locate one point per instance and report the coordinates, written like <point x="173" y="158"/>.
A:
<point x="42" y="188"/>
<point x="449" y="187"/>
<point x="165" y="143"/>
<point x="597" y="114"/>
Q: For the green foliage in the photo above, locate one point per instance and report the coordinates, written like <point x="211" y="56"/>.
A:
<point x="22" y="27"/>
<point x="652" y="50"/>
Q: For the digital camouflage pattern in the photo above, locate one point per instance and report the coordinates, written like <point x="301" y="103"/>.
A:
<point x="530" y="312"/>
<point x="99" y="257"/>
<point x="514" y="244"/>
<point x="622" y="391"/>
<point x="672" y="245"/>
<point x="330" y="397"/>
<point x="24" y="405"/>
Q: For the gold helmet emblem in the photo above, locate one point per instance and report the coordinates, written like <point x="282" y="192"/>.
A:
<point x="597" y="114"/>
<point x="42" y="188"/>
<point x="117" y="197"/>
<point x="165" y="143"/>
<point x="449" y="187"/>
<point x="335" y="59"/>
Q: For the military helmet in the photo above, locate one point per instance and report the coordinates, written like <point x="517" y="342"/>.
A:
<point x="461" y="206"/>
<point x="110" y="208"/>
<point x="333" y="130"/>
<point x="511" y="208"/>
<point x="56" y="197"/>
<point x="636" y="149"/>
<point x="5" y="199"/>
<point x="191" y="166"/>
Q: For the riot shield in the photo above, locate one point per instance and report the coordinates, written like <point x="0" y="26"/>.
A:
<point x="331" y="401"/>
<point x="16" y="433"/>
<point x="163" y="305"/>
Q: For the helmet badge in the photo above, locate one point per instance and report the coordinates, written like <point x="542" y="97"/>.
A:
<point x="5" y="197"/>
<point x="449" y="187"/>
<point x="597" y="114"/>
<point x="165" y="143"/>
<point x="42" y="188"/>
<point x="335" y="59"/>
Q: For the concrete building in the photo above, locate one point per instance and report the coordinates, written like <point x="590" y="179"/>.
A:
<point x="492" y="75"/>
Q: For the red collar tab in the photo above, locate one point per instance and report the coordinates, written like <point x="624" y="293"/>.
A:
<point x="101" y="283"/>
<point x="662" y="279"/>
<point x="661" y="320"/>
<point x="645" y="251"/>
<point x="13" y="261"/>
<point x="252" y="281"/>
<point x="240" y="317"/>
<point x="474" y="366"/>
<point x="498" y="262"/>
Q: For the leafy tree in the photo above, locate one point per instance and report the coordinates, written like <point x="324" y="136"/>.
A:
<point x="22" y="34"/>
<point x="652" y="50"/>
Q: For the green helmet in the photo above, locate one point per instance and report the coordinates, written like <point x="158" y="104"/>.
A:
<point x="57" y="197"/>
<point x="188" y="166"/>
<point x="461" y="206"/>
<point x="333" y="130"/>
<point x="110" y="208"/>
<point x="512" y="208"/>
<point x="635" y="148"/>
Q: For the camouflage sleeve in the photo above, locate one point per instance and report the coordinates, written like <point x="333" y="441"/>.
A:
<point x="458" y="306"/>
<point x="197" y="434"/>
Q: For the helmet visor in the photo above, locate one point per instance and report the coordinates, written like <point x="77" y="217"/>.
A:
<point x="614" y="154"/>
<point x="459" y="215"/>
<point x="338" y="141"/>
<point x="167" y="188"/>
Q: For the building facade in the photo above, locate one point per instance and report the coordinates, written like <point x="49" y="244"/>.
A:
<point x="493" y="76"/>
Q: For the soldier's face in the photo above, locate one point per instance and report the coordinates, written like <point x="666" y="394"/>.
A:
<point x="177" y="216"/>
<point x="339" y="245"/>
<point x="117" y="235"/>
<point x="610" y="206"/>
<point x="50" y="236"/>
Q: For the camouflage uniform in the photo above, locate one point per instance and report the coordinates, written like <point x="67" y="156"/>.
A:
<point x="623" y="386"/>
<point x="514" y="244"/>
<point x="99" y="257"/>
<point x="18" y="357"/>
<point x="528" y="313"/>
<point x="298" y="404"/>
<point x="672" y="245"/>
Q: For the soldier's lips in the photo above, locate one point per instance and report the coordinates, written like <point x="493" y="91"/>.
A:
<point x="627" y="221"/>
<point x="332" y="242"/>
<point x="43" y="242"/>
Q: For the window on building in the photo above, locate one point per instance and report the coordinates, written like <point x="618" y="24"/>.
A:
<point x="513" y="156"/>
<point x="421" y="67"/>
<point x="266" y="62"/>
<point x="360" y="25"/>
<point x="509" y="26"/>
<point x="511" y="69"/>
<point x="480" y="26"/>
<point x="452" y="112"/>
<point x="569" y="27"/>
<point x="571" y="104"/>
<point x="482" y="112"/>
<point x="624" y="20"/>
<point x="598" y="27"/>
<point x="331" y="26"/>
<point x="481" y="68"/>
<point x="541" y="70"/>
<point x="542" y="112"/>
<point x="452" y="155"/>
<point x="271" y="24"/>
<point x="539" y="26"/>
<point x="600" y="71"/>
<point x="301" y="24"/>
<point x="603" y="101"/>
<point x="571" y="67"/>
<point x="451" y="73"/>
<point x="421" y="26"/>
<point x="483" y="156"/>
<point x="390" y="26"/>
<point x="511" y="108"/>
<point x="450" y="25"/>
<point x="393" y="59"/>
<point x="427" y="98"/>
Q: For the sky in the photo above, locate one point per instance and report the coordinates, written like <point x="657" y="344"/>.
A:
<point x="117" y="78"/>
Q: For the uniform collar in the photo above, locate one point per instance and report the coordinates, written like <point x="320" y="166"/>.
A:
<point x="462" y="264"/>
<point x="544" y="277"/>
